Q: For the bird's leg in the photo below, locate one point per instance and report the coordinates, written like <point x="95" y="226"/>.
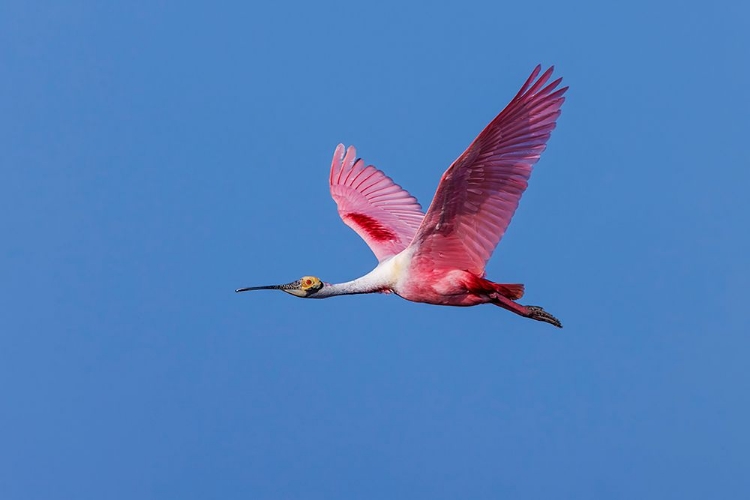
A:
<point x="533" y="312"/>
<point x="539" y="314"/>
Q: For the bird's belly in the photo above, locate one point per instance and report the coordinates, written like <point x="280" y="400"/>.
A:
<point x="440" y="288"/>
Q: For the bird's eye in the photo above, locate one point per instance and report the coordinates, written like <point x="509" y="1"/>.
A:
<point x="308" y="282"/>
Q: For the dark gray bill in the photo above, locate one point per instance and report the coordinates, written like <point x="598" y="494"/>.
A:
<point x="293" y="284"/>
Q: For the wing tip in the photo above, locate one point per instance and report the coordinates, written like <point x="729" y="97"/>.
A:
<point x="341" y="155"/>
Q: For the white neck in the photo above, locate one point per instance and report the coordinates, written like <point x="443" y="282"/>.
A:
<point x="379" y="279"/>
<point x="348" y="288"/>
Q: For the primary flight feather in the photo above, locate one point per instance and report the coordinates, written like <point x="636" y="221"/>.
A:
<point x="439" y="257"/>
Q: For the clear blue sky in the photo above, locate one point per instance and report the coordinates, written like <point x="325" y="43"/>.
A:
<point x="157" y="155"/>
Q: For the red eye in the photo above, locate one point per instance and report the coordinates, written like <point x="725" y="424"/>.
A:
<point x="308" y="282"/>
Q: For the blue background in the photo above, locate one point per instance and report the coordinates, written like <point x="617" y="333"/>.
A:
<point x="157" y="155"/>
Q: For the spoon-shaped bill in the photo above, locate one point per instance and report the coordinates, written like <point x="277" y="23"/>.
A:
<point x="267" y="287"/>
<point x="294" y="285"/>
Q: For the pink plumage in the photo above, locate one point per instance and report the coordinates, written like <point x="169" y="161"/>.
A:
<point x="440" y="257"/>
<point x="479" y="193"/>
<point x="379" y="210"/>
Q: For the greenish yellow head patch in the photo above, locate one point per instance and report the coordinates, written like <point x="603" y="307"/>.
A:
<point x="303" y="287"/>
<point x="310" y="283"/>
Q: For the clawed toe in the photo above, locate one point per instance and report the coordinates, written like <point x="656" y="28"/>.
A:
<point x="539" y="314"/>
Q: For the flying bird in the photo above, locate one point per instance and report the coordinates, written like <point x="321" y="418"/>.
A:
<point x="439" y="257"/>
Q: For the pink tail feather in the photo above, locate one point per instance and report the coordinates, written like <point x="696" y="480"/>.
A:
<point x="512" y="291"/>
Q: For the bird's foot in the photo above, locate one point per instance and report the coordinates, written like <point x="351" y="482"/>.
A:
<point x="539" y="314"/>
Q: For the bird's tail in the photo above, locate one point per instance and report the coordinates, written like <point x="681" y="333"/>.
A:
<point x="512" y="291"/>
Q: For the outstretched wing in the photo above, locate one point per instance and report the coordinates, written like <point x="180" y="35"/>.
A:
<point x="378" y="209"/>
<point x="480" y="191"/>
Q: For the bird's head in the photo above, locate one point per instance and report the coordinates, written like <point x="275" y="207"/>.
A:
<point x="304" y="287"/>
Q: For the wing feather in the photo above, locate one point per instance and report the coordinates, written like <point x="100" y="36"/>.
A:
<point x="480" y="191"/>
<point x="381" y="212"/>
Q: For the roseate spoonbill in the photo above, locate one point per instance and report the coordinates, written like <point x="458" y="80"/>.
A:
<point x="439" y="257"/>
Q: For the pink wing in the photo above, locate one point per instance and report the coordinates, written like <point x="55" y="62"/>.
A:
<point x="479" y="193"/>
<point x="379" y="210"/>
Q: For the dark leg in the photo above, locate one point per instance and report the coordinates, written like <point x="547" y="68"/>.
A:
<point x="533" y="312"/>
<point x="539" y="314"/>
